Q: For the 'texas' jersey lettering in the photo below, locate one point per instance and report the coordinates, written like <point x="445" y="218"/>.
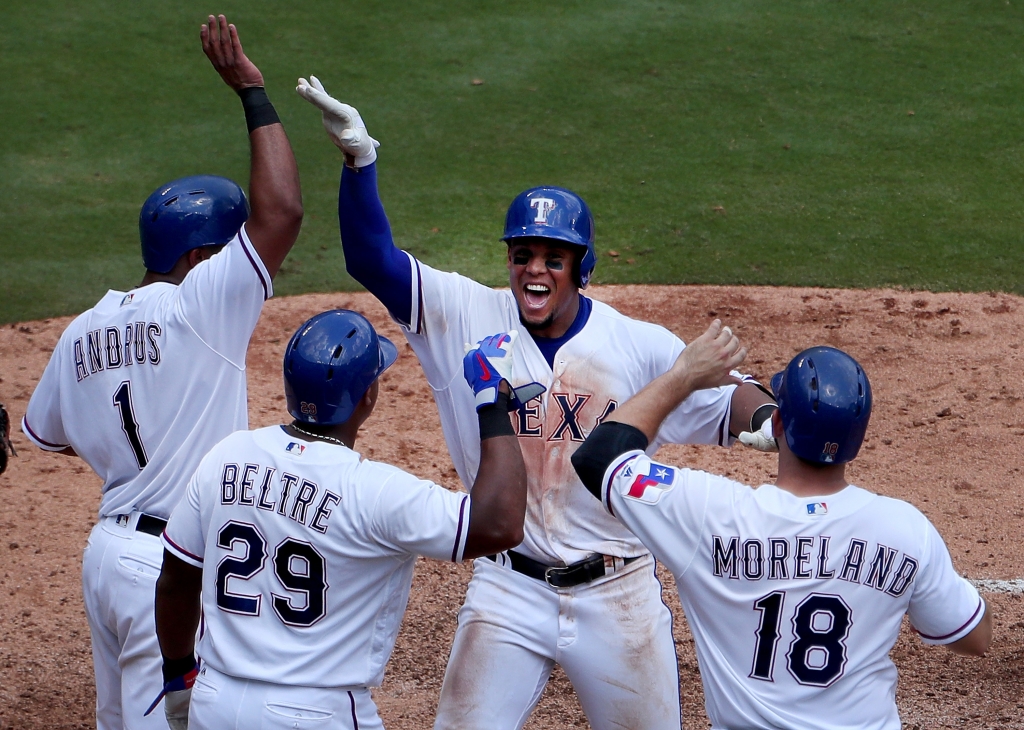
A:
<point x="530" y="424"/>
<point x="781" y="558"/>
<point x="111" y="347"/>
<point x="260" y="487"/>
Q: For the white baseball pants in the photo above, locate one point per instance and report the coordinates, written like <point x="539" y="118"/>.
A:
<point x="613" y="638"/>
<point x="223" y="702"/>
<point x="119" y="571"/>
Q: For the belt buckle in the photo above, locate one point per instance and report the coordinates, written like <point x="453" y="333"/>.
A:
<point x="548" y="572"/>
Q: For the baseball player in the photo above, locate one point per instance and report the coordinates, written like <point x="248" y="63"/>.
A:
<point x="795" y="591"/>
<point x="144" y="383"/>
<point x="304" y="551"/>
<point x="580" y="590"/>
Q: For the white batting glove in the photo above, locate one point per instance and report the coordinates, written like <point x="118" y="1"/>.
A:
<point x="342" y="122"/>
<point x="176" y="708"/>
<point x="762" y="439"/>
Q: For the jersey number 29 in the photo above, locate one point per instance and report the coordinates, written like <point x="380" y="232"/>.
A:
<point x="817" y="656"/>
<point x="297" y="565"/>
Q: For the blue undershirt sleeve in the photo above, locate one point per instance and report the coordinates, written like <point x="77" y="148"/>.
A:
<point x="371" y="256"/>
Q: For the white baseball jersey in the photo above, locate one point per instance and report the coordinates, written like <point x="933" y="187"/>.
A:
<point x="307" y="553"/>
<point x="145" y="382"/>
<point x="603" y="365"/>
<point x="794" y="603"/>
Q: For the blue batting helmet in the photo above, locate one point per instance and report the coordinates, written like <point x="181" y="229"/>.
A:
<point x="330" y="363"/>
<point x="557" y="213"/>
<point x="202" y="210"/>
<point x="825" y="403"/>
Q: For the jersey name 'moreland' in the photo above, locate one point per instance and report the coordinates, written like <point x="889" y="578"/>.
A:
<point x="107" y="349"/>
<point x="786" y="558"/>
<point x="260" y="487"/>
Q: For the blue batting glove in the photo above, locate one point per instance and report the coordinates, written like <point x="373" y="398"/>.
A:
<point x="487" y="364"/>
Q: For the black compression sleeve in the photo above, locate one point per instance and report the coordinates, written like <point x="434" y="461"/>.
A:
<point x="494" y="420"/>
<point x="608" y="442"/>
<point x="259" y="112"/>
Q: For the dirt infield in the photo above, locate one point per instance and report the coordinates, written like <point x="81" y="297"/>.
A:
<point x="947" y="434"/>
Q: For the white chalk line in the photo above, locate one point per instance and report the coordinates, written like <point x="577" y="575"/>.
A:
<point x="1015" y="586"/>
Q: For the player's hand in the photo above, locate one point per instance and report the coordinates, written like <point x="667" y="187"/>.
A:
<point x="222" y="47"/>
<point x="177" y="695"/>
<point x="487" y="364"/>
<point x="707" y="361"/>
<point x="762" y="439"/>
<point x="342" y="122"/>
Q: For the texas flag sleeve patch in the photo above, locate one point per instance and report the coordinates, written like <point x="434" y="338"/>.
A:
<point x="649" y="487"/>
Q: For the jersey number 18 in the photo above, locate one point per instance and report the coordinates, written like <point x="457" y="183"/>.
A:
<point x="817" y="655"/>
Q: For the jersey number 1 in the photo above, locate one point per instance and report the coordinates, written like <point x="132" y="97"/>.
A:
<point x="817" y="655"/>
<point x="123" y="404"/>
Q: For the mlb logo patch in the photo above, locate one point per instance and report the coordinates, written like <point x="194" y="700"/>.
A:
<point x="817" y="508"/>
<point x="127" y="298"/>
<point x="295" y="448"/>
<point x="648" y="488"/>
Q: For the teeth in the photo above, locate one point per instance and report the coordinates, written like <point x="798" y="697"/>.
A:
<point x="539" y="288"/>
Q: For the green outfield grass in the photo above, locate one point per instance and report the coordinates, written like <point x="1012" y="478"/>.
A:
<point x="804" y="142"/>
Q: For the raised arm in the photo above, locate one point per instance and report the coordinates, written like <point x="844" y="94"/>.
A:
<point x="371" y="256"/>
<point x="705" y="363"/>
<point x="498" y="502"/>
<point x="274" y="193"/>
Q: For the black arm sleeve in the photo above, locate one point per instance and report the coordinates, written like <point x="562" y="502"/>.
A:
<point x="608" y="442"/>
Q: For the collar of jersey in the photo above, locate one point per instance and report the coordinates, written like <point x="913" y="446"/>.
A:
<point x="785" y="504"/>
<point x="549" y="346"/>
<point x="281" y="438"/>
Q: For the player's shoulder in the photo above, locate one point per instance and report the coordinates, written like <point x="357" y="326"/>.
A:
<point x="369" y="471"/>
<point x="236" y="445"/>
<point x="893" y="509"/>
<point x="611" y="318"/>
<point x="452" y="279"/>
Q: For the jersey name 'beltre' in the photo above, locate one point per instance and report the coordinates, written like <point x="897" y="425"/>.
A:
<point x="260" y="487"/>
<point x="107" y="349"/>
<point x="781" y="558"/>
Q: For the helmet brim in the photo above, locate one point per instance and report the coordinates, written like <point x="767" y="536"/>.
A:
<point x="545" y="231"/>
<point x="776" y="382"/>
<point x="388" y="353"/>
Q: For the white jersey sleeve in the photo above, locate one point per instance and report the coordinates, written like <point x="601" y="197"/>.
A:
<point x="703" y="418"/>
<point x="662" y="505"/>
<point x="416" y="516"/>
<point x="184" y="537"/>
<point x="446" y="307"/>
<point x="222" y="297"/>
<point x="42" y="422"/>
<point x="944" y="606"/>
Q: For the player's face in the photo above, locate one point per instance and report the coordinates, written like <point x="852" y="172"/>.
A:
<point x="540" y="275"/>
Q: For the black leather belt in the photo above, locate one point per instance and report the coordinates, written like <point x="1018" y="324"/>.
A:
<point x="568" y="576"/>
<point x="150" y="525"/>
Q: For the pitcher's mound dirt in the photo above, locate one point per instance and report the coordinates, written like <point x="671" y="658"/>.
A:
<point x="946" y="434"/>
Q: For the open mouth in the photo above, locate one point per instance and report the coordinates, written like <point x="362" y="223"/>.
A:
<point x="536" y="295"/>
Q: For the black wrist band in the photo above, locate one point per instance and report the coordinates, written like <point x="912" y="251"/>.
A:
<point x="494" y="420"/>
<point x="760" y="415"/>
<point x="259" y="112"/>
<point x="174" y="668"/>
